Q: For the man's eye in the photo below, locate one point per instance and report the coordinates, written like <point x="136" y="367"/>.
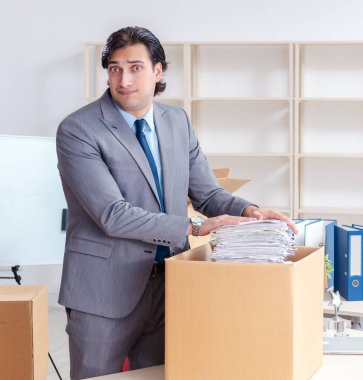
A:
<point x="136" y="68"/>
<point x="114" y="69"/>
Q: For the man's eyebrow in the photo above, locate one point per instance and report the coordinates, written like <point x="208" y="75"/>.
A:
<point x="132" y="62"/>
<point x="137" y="61"/>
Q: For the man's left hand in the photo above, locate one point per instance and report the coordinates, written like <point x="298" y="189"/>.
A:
<point x="263" y="213"/>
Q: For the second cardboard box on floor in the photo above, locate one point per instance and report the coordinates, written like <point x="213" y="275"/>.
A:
<point x="243" y="321"/>
<point x="23" y="332"/>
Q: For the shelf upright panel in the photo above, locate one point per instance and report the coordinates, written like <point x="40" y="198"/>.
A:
<point x="95" y="77"/>
<point x="291" y="127"/>
<point x="194" y="80"/>
<point x="296" y="167"/>
<point x="187" y="78"/>
<point x="86" y="71"/>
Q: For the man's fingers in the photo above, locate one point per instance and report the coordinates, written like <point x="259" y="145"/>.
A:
<point x="223" y="220"/>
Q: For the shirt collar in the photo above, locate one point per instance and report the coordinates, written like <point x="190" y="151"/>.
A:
<point x="130" y="119"/>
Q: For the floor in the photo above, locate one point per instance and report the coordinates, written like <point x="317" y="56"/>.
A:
<point x="58" y="344"/>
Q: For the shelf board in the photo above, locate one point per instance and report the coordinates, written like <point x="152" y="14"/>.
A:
<point x="284" y="210"/>
<point x="329" y="43"/>
<point x="331" y="210"/>
<point x="169" y="99"/>
<point x="181" y="99"/>
<point x="157" y="99"/>
<point x="238" y="155"/>
<point x="239" y="43"/>
<point x="317" y="99"/>
<point x="164" y="43"/>
<point x="98" y="44"/>
<point x="249" y="43"/>
<point x="239" y="99"/>
<point x="90" y="99"/>
<point x="329" y="155"/>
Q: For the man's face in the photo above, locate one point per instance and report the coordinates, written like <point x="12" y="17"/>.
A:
<point x="132" y="79"/>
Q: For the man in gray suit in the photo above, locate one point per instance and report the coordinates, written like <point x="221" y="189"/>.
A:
<point x="127" y="166"/>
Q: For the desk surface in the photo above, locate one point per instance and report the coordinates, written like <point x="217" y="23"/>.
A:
<point x="152" y="373"/>
<point x="334" y="367"/>
<point x="348" y="308"/>
<point x="339" y="367"/>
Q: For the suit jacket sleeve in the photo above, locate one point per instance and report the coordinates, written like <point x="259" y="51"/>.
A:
<point x="205" y="193"/>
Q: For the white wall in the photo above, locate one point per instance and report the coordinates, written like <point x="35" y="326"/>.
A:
<point x="41" y="72"/>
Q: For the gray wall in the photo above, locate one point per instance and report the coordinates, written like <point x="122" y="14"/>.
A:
<point x="41" y="70"/>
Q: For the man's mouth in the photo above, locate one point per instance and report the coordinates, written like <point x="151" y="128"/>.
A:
<point x="126" y="92"/>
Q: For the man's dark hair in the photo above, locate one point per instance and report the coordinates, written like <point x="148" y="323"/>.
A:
<point x="134" y="35"/>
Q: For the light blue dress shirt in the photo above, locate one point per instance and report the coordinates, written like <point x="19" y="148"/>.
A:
<point x="150" y="134"/>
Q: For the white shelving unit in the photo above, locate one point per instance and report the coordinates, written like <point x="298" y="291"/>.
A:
<point x="329" y="126"/>
<point x="286" y="115"/>
<point x="241" y="107"/>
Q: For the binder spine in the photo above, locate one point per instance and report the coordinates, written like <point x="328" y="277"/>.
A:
<point x="340" y="261"/>
<point x="348" y="263"/>
<point x="354" y="280"/>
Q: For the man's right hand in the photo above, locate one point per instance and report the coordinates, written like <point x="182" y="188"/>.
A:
<point x="211" y="224"/>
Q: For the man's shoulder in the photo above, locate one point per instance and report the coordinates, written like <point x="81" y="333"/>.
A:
<point x="84" y="122"/>
<point x="90" y="110"/>
<point x="163" y="107"/>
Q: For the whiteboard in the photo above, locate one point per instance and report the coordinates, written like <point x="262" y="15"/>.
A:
<point x="31" y="202"/>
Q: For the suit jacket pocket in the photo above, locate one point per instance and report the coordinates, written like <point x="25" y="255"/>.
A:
<point x="90" y="247"/>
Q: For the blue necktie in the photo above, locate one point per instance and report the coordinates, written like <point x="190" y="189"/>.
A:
<point x="161" y="251"/>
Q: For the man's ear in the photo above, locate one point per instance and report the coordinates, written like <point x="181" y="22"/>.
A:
<point x="158" y="71"/>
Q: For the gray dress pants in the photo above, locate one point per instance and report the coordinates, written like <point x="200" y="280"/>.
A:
<point x="98" y="345"/>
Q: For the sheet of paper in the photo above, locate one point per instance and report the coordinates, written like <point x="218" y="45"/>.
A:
<point x="258" y="241"/>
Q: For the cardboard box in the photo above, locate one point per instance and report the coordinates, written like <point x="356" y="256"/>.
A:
<point x="243" y="321"/>
<point x="23" y="332"/>
<point x="229" y="184"/>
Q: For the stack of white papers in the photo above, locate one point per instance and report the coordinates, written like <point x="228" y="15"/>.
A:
<point x="258" y="241"/>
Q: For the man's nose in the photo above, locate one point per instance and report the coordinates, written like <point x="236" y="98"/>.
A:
<point x="125" y="79"/>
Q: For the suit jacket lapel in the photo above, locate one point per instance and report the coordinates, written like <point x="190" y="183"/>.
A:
<point x="120" y="129"/>
<point x="165" y="134"/>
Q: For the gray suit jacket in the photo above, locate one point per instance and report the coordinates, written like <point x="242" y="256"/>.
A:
<point x="114" y="216"/>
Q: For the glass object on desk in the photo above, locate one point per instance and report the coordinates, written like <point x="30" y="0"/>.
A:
<point x="336" y="325"/>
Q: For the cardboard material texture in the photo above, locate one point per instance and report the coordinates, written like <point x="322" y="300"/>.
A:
<point x="242" y="320"/>
<point x="229" y="184"/>
<point x="23" y="332"/>
<point x="222" y="172"/>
